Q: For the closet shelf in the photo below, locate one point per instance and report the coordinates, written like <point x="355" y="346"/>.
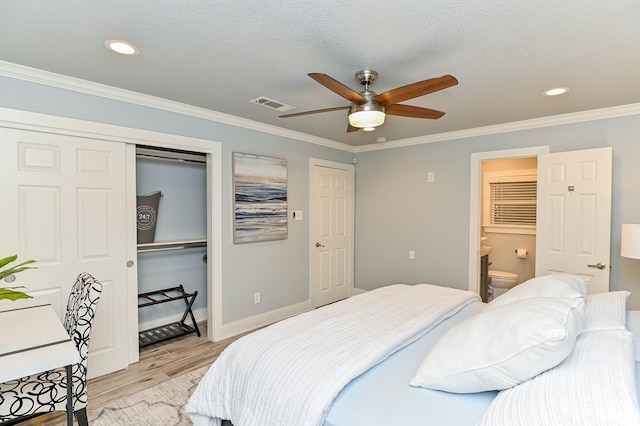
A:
<point x="171" y="245"/>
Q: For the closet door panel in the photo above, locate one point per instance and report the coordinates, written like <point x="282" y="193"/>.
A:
<point x="39" y="157"/>
<point x="39" y="210"/>
<point x="67" y="212"/>
<point x="94" y="224"/>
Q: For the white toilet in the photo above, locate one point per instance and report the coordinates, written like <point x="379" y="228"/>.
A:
<point x="500" y="282"/>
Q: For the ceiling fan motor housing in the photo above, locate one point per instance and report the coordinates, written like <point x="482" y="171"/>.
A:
<point x="366" y="77"/>
<point x="370" y="105"/>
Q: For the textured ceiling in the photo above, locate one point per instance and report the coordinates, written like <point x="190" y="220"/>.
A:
<point x="219" y="55"/>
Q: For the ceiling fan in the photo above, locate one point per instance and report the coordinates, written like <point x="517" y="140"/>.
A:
<point x="368" y="109"/>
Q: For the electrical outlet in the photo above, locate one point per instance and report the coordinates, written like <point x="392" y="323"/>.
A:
<point x="431" y="177"/>
<point x="256" y="298"/>
<point x="412" y="254"/>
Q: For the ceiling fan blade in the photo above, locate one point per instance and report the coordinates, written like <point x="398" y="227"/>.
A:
<point x="351" y="128"/>
<point x="413" y="111"/>
<point x="337" y="87"/>
<point x="315" y="111"/>
<point x="415" y="90"/>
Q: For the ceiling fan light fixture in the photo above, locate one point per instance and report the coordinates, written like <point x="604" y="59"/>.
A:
<point x="366" y="117"/>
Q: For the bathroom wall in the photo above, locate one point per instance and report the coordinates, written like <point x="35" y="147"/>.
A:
<point x="503" y="246"/>
<point x="503" y="257"/>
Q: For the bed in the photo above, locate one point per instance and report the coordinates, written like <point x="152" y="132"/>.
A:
<point x="418" y="354"/>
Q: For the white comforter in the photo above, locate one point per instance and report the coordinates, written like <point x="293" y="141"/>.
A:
<point x="289" y="373"/>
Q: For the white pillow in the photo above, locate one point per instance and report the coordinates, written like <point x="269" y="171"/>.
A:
<point x="552" y="285"/>
<point x="607" y="311"/>
<point x="595" y="385"/>
<point x="501" y="347"/>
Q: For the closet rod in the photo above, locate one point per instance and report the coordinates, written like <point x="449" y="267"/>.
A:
<point x="173" y="245"/>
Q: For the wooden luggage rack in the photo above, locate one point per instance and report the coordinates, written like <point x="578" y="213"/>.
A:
<point x="175" y="329"/>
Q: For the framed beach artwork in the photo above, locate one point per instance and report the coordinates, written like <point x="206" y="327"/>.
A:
<point x="260" y="198"/>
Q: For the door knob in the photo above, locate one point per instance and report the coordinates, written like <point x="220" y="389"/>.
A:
<point x="129" y="263"/>
<point x="319" y="245"/>
<point x="598" y="265"/>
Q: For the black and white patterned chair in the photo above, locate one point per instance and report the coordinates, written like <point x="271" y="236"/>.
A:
<point x="46" y="392"/>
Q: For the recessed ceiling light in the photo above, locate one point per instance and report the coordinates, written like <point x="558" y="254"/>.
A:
<point x="556" y="91"/>
<point x="122" y="47"/>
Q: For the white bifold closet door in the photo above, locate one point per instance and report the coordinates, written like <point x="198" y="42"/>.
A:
<point x="63" y="204"/>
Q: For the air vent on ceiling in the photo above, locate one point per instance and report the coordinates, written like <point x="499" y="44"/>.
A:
<point x="270" y="103"/>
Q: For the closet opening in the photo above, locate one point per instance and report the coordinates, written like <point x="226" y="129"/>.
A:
<point x="171" y="189"/>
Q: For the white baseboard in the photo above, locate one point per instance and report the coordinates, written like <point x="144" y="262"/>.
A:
<point x="247" y="324"/>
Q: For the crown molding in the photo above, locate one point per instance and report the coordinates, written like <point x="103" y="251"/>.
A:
<point x="535" y="123"/>
<point x="33" y="75"/>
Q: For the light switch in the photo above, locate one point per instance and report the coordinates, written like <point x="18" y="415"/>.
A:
<point x="296" y="215"/>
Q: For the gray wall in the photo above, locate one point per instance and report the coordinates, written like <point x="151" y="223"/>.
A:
<point x="278" y="269"/>
<point x="503" y="257"/>
<point x="397" y="210"/>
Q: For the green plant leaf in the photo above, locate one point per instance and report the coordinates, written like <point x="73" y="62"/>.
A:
<point x="8" y="260"/>
<point x="9" y="293"/>
<point x="15" y="269"/>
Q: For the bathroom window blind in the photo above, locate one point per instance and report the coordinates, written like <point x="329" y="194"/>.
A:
<point x="513" y="202"/>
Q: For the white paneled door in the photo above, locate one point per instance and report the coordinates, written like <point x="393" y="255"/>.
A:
<point x="331" y="225"/>
<point x="574" y="201"/>
<point x="63" y="204"/>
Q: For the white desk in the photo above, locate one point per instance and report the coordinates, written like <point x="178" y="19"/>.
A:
<point x="33" y="340"/>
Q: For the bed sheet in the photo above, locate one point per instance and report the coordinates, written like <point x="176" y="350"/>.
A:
<point x="382" y="395"/>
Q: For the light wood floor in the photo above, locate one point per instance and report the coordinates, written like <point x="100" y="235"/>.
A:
<point x="158" y="363"/>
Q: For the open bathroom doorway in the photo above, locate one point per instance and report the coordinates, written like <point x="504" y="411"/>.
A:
<point x="503" y="244"/>
<point x="508" y="224"/>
